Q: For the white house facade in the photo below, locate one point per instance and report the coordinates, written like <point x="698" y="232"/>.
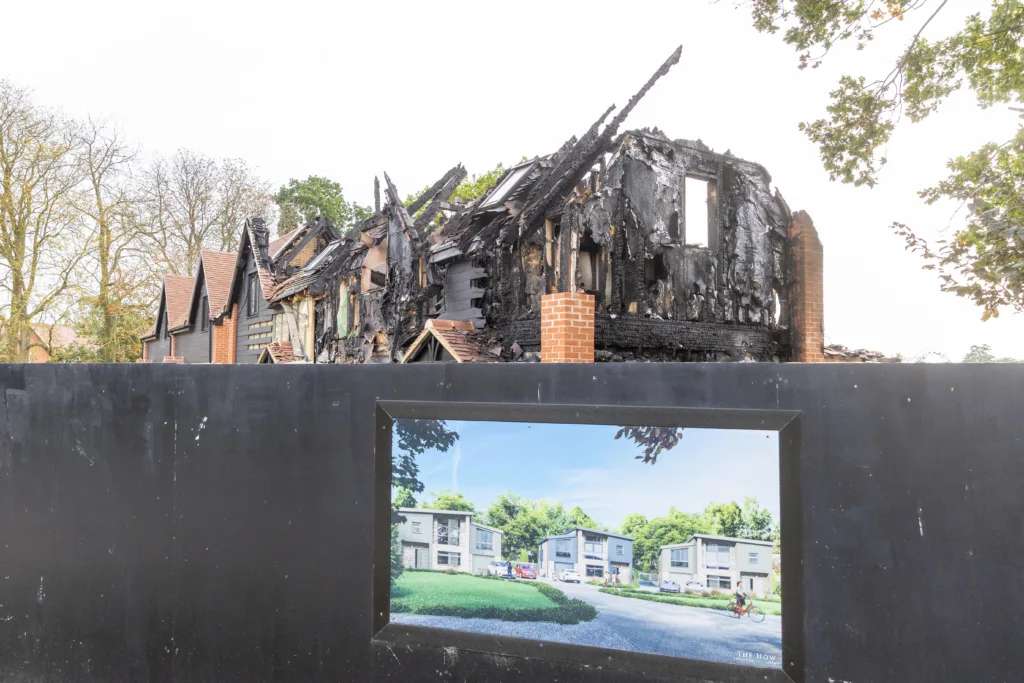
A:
<point x="719" y="562"/>
<point x="447" y="539"/>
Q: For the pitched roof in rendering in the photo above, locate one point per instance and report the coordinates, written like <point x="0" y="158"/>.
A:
<point x="456" y="336"/>
<point x="463" y="513"/>
<point x="584" y="529"/>
<point x="729" y="539"/>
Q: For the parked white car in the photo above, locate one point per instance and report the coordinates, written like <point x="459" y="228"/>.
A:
<point x="695" y="587"/>
<point x="496" y="569"/>
<point x="569" y="576"/>
<point x="668" y="586"/>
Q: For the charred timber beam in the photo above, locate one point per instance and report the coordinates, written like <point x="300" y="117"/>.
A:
<point x="440" y="199"/>
<point x="584" y="155"/>
<point x="456" y="171"/>
<point x="400" y="214"/>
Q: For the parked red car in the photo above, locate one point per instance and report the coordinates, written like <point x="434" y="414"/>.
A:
<point x="526" y="571"/>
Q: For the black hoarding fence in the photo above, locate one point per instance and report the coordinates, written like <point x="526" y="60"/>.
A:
<point x="183" y="523"/>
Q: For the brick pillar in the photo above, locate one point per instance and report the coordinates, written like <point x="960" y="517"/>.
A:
<point x="145" y="350"/>
<point x="173" y="340"/>
<point x="223" y="341"/>
<point x="567" y="328"/>
<point x="807" y="292"/>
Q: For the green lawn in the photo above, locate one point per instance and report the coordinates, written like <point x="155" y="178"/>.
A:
<point x="708" y="602"/>
<point x="463" y="595"/>
<point x="422" y="589"/>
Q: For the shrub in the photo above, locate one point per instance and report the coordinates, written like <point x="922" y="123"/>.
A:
<point x="706" y="603"/>
<point x="567" y="610"/>
<point x="396" y="556"/>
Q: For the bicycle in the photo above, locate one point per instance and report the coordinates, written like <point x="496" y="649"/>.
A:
<point x="754" y="614"/>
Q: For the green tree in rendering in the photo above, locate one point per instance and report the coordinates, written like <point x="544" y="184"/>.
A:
<point x="725" y="519"/>
<point x="446" y="500"/>
<point x="412" y="438"/>
<point x="652" y="440"/>
<point x="404" y="499"/>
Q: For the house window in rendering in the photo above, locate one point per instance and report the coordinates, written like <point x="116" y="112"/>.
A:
<point x="448" y="559"/>
<point x="448" y="532"/>
<point x="752" y="558"/>
<point x="417" y="527"/>
<point x="618" y="550"/>
<point x="595" y="571"/>
<point x="717" y="557"/>
<point x="720" y="582"/>
<point x="563" y="548"/>
<point x="204" y="320"/>
<point x="484" y="539"/>
<point x="680" y="557"/>
<point x="593" y="548"/>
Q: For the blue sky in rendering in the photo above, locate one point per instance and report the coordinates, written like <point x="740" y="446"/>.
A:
<point x="585" y="465"/>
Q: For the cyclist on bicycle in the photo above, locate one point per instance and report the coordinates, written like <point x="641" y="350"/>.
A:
<point x="741" y="597"/>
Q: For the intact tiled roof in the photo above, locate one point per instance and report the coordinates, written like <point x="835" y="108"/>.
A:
<point x="456" y="336"/>
<point x="218" y="266"/>
<point x="178" y="290"/>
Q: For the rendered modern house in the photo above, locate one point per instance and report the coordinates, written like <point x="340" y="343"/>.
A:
<point x="447" y="539"/>
<point x="589" y="552"/>
<point x="718" y="562"/>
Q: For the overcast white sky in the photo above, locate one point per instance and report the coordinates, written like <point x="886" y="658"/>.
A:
<point x="348" y="91"/>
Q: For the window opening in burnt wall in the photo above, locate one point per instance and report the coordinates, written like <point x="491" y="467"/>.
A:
<point x="696" y="199"/>
<point x="655" y="270"/>
<point x="589" y="266"/>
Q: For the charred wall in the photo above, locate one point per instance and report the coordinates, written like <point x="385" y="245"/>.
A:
<point x="623" y="236"/>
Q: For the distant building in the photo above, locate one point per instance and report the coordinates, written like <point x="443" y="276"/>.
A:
<point x="587" y="551"/>
<point x="447" y="539"/>
<point x="719" y="562"/>
<point x="46" y="339"/>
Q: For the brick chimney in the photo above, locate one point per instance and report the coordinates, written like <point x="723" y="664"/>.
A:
<point x="807" y="293"/>
<point x="567" y="328"/>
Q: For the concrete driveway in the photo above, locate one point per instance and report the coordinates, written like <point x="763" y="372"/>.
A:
<point x="681" y="631"/>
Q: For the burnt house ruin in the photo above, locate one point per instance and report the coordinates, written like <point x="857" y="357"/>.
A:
<point x="657" y="249"/>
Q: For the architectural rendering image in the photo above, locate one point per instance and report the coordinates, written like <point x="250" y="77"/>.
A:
<point x="649" y="539"/>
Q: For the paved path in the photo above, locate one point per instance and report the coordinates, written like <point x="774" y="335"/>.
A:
<point x="640" y="625"/>
<point x="681" y="631"/>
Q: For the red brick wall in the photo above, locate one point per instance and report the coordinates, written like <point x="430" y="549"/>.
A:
<point x="807" y="294"/>
<point x="224" y="339"/>
<point x="567" y="328"/>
